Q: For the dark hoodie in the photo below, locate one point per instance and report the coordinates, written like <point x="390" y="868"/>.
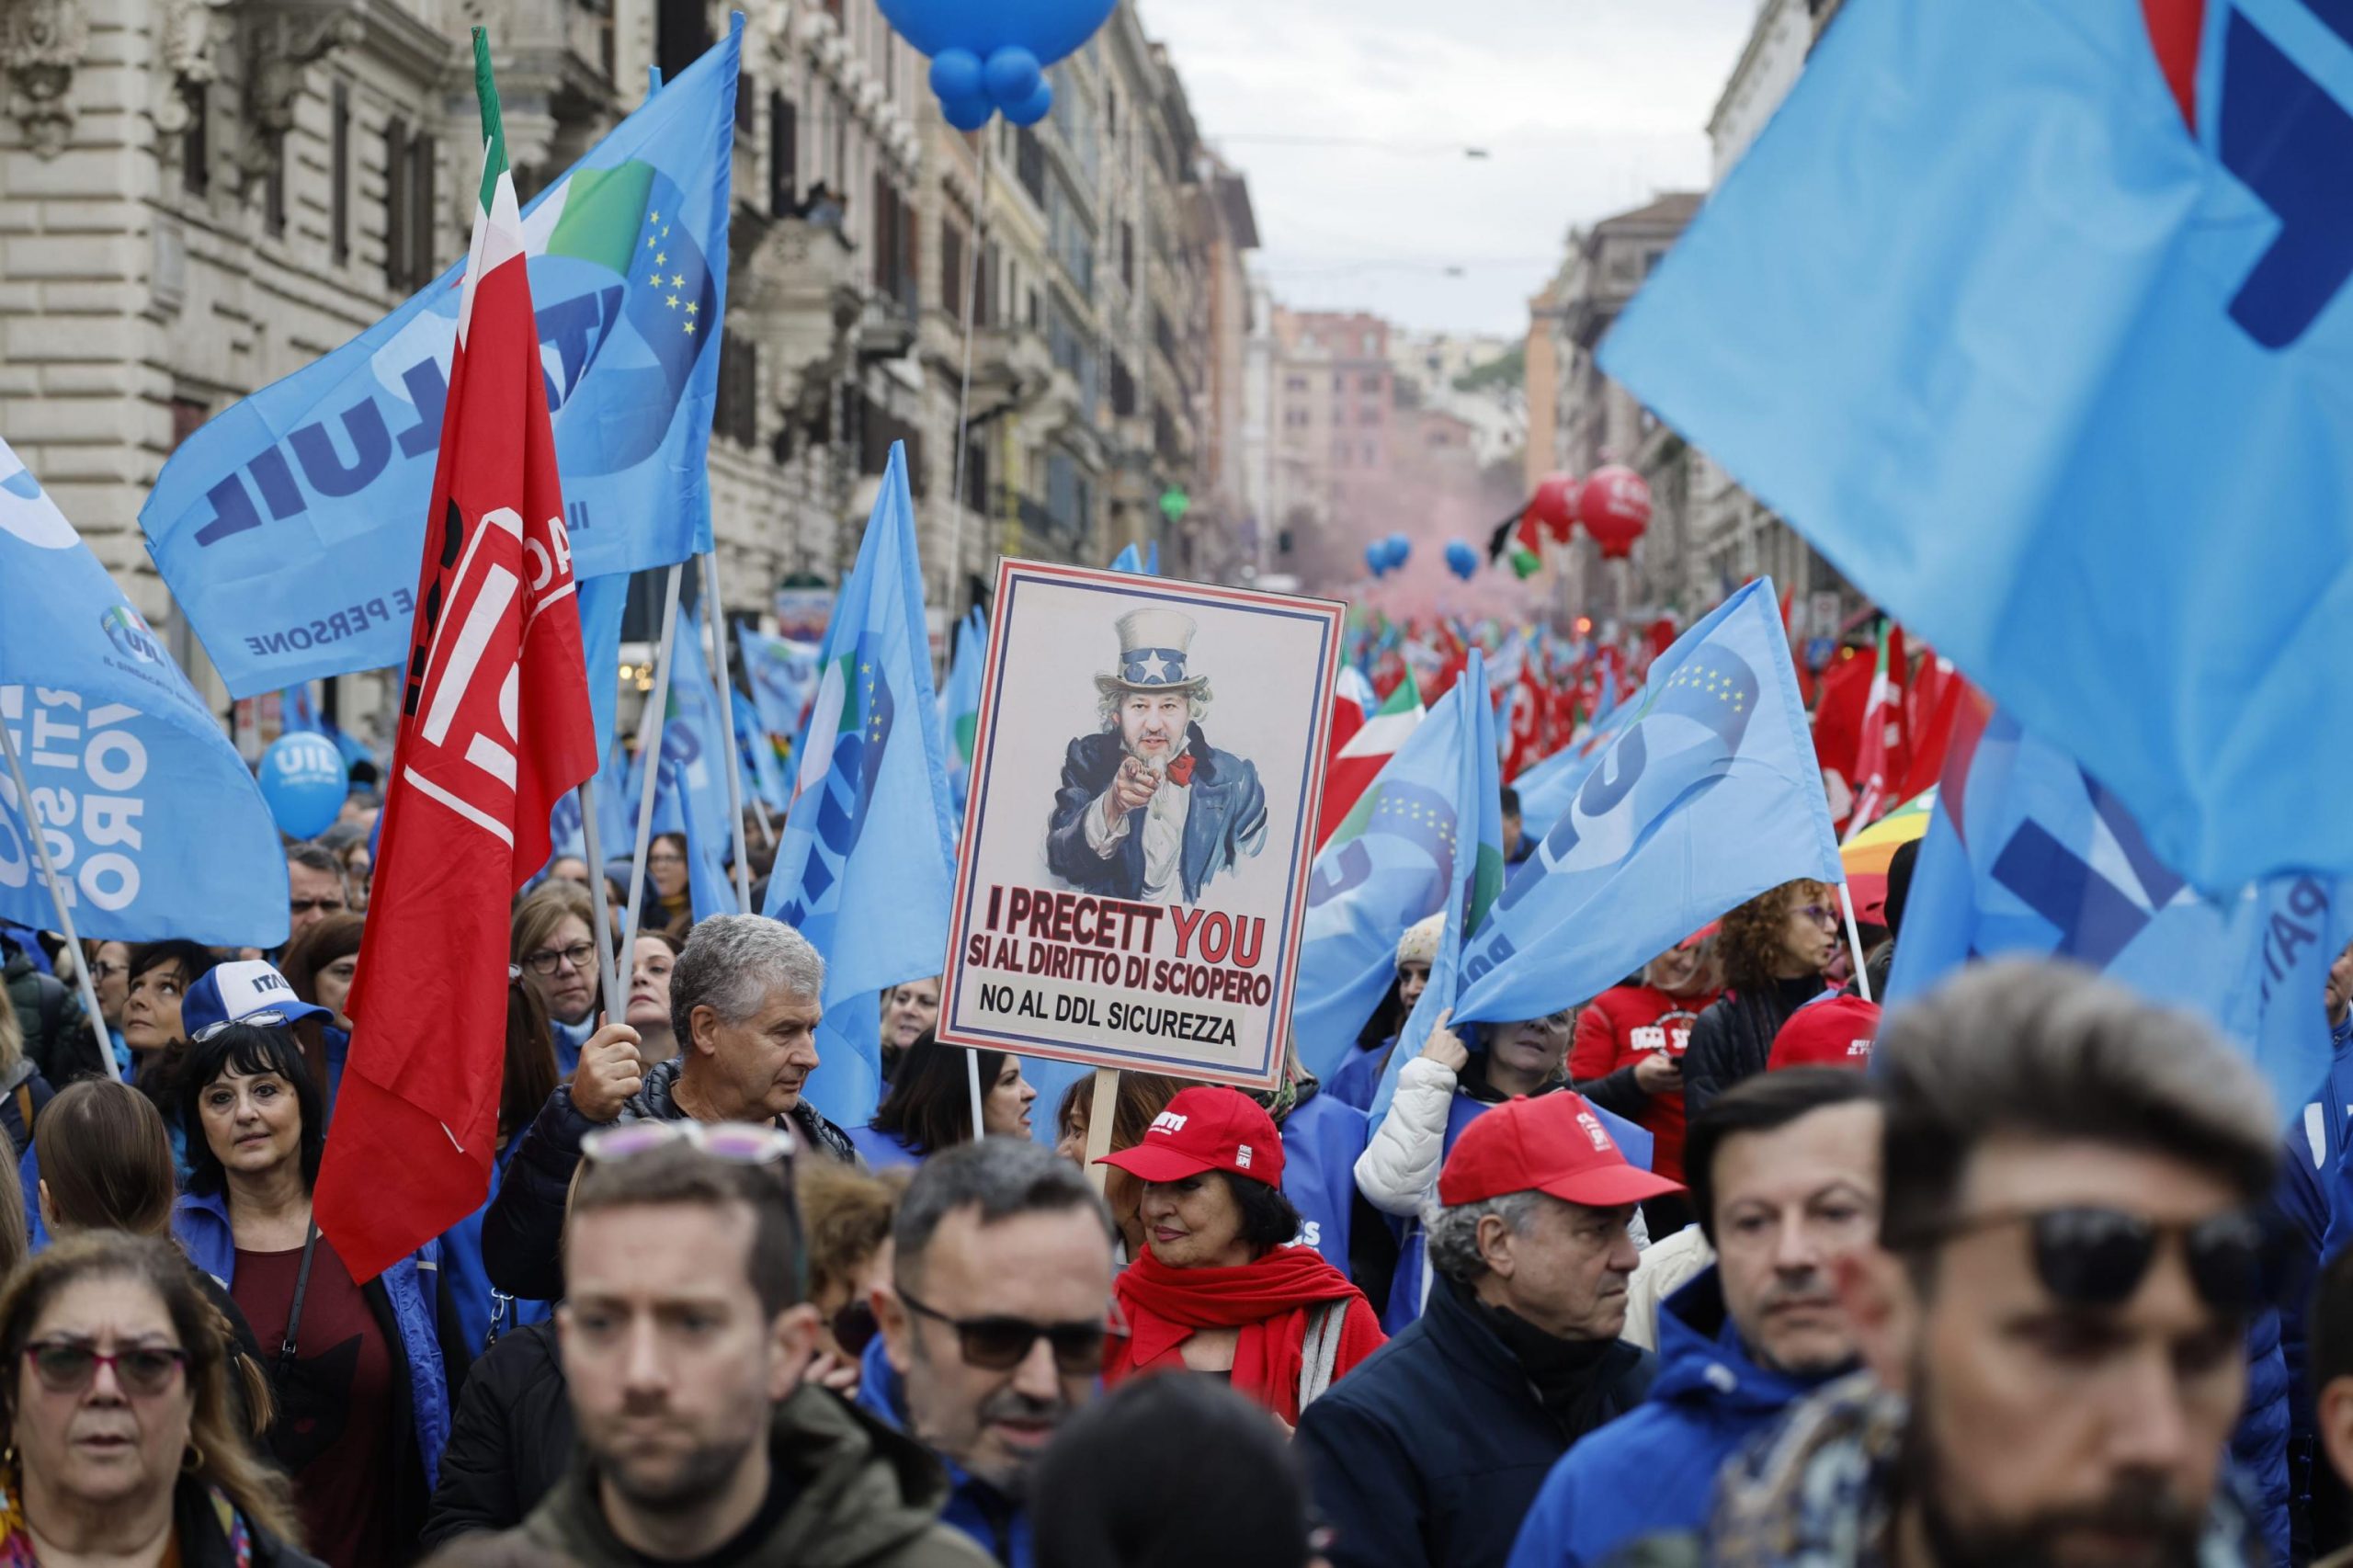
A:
<point x="858" y="1495"/>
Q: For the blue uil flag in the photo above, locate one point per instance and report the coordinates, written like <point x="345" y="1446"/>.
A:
<point x="864" y="867"/>
<point x="289" y="527"/>
<point x="153" y="822"/>
<point x="1707" y="796"/>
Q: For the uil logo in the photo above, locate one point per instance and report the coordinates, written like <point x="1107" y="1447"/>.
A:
<point x="1594" y="1130"/>
<point x="1242" y="1157"/>
<point x="130" y="635"/>
<point x="1167" y="1121"/>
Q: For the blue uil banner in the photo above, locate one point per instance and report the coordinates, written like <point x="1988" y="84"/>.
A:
<point x="289" y="526"/>
<point x="864" y="867"/>
<point x="1707" y="796"/>
<point x="151" y="821"/>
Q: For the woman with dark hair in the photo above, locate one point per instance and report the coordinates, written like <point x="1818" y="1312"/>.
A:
<point x="1774" y="949"/>
<point x="161" y="973"/>
<point x="363" y="1373"/>
<point x="1219" y="1289"/>
<point x="319" y="964"/>
<point x="1140" y="1097"/>
<point x="930" y="1103"/>
<point x="109" y="1333"/>
<point x="1099" y="1494"/>
<point x="485" y="1313"/>
<point x="666" y="882"/>
<point x="649" y="997"/>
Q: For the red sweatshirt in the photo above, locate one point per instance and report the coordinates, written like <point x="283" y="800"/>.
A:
<point x="1625" y="1024"/>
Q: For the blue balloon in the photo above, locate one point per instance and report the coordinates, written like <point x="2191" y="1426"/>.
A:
<point x="1376" y="556"/>
<point x="1013" y="77"/>
<point x="303" y="783"/>
<point x="1034" y="108"/>
<point x="1461" y="559"/>
<point x="1049" y="29"/>
<point x="966" y="114"/>
<point x="1401" y="550"/>
<point x="956" y="74"/>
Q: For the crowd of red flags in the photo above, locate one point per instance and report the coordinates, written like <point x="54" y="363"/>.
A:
<point x="1881" y="740"/>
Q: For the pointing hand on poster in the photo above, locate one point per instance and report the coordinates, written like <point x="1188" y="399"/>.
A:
<point x="1133" y="786"/>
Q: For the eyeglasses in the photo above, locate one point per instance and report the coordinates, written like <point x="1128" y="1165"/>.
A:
<point x="667" y="858"/>
<point x="268" y="1017"/>
<point x="1001" y="1344"/>
<point x="738" y="1142"/>
<point x="65" y="1366"/>
<point x="580" y="954"/>
<point x="1818" y="913"/>
<point x="2098" y="1257"/>
<point x="322" y="906"/>
<point x="102" y="970"/>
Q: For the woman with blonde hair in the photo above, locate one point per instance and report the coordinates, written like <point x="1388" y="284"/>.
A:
<point x="107" y="1336"/>
<point x="554" y="946"/>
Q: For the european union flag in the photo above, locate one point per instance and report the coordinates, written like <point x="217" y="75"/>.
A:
<point x="2030" y="855"/>
<point x="782" y="676"/>
<point x="1708" y="797"/>
<point x="289" y="527"/>
<point x="154" y="823"/>
<point x="856" y="872"/>
<point x="1396" y="858"/>
<point x="2029" y="315"/>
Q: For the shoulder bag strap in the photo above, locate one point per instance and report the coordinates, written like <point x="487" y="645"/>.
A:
<point x="294" y="1311"/>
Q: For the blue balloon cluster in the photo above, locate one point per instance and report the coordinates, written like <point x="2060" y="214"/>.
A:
<point x="1461" y="559"/>
<point x="1385" y="555"/>
<point x="990" y="56"/>
<point x="303" y="782"/>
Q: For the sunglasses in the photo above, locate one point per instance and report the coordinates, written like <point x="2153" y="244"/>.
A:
<point x="739" y="1143"/>
<point x="266" y="1018"/>
<point x="65" y="1367"/>
<point x="2098" y="1257"/>
<point x="1818" y="913"/>
<point x="1001" y="1344"/>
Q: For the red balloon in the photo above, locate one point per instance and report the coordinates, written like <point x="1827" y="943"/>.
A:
<point x="1615" y="508"/>
<point x="1556" y="506"/>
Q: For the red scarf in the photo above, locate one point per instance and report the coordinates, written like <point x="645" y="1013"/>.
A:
<point x="1269" y="1300"/>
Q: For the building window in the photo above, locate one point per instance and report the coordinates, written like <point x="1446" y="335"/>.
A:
<point x="396" y="204"/>
<point x="196" y="141"/>
<point x="339" y="175"/>
<point x="735" y="414"/>
<point x="681" y="32"/>
<point x="1127" y="253"/>
<point x="1370" y="381"/>
<point x="951" y="269"/>
<point x="1295" y="383"/>
<point x="784" y="156"/>
<point x="1123" y="387"/>
<point x="273" y="194"/>
<point x="189" y="414"/>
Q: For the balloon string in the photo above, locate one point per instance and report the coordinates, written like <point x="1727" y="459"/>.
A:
<point x="965" y="382"/>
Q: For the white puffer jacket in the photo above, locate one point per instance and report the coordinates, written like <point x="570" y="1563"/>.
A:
<point x="1397" y="1172"/>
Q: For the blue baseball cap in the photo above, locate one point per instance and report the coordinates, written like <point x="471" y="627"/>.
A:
<point x="246" y="992"/>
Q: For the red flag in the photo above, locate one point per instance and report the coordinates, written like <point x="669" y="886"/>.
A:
<point x="495" y="726"/>
<point x="1879" y="755"/>
<point x="1529" y="706"/>
<point x="1358" y="760"/>
<point x="1932" y="732"/>
<point x="1838" y="725"/>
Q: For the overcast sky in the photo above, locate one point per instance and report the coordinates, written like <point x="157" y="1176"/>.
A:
<point x="1350" y="118"/>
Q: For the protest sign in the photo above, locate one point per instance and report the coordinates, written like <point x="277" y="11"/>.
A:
<point x="1135" y="853"/>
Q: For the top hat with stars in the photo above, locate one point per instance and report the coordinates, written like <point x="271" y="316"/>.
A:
<point x="1153" y="646"/>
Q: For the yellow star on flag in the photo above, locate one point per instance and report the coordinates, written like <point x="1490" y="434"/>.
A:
<point x="659" y="257"/>
<point x="693" y="309"/>
<point x="690" y="328"/>
<point x="676" y="280"/>
<point x="674" y="301"/>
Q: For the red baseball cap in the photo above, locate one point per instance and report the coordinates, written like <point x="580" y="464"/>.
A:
<point x="1552" y="1144"/>
<point x="1206" y="1128"/>
<point x="1837" y="1033"/>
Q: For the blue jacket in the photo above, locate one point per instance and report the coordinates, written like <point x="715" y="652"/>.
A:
<point x="1430" y="1451"/>
<point x="1654" y="1468"/>
<point x="1225" y="820"/>
<point x="471" y="1295"/>
<point x="1322" y="1139"/>
<point x="882" y="1150"/>
<point x="1357" y="1079"/>
<point x="409" y="1293"/>
<point x="997" y="1522"/>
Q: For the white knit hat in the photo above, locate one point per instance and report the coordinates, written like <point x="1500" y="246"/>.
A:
<point x="1419" y="944"/>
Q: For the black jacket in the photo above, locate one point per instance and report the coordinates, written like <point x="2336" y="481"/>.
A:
<point x="522" y="1235"/>
<point x="510" y="1442"/>
<point x="206" y="1522"/>
<point x="1731" y="1040"/>
<point x="1430" y="1451"/>
<point x="58" y="1042"/>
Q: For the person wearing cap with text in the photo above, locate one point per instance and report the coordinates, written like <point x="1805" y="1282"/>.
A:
<point x="1148" y="809"/>
<point x="1429" y="1455"/>
<point x="1220" y="1288"/>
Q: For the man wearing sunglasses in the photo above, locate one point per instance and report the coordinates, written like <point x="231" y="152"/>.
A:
<point x="993" y="1331"/>
<point x="2052" y="1324"/>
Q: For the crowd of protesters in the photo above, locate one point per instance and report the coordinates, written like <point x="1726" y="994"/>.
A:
<point x="1709" y="1269"/>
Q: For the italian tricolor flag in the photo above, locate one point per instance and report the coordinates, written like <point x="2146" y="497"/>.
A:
<point x="1361" y="757"/>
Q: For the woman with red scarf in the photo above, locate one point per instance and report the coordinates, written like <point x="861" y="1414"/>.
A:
<point x="1219" y="1289"/>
